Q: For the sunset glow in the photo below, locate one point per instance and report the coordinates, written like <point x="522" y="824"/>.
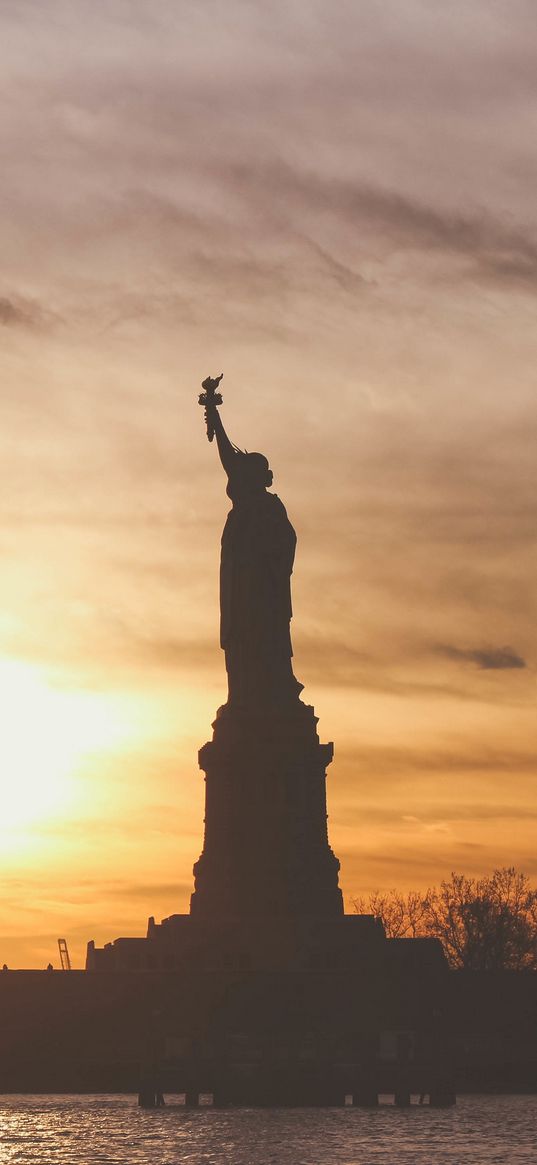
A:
<point x="340" y="220"/>
<point x="38" y="748"/>
<point x="47" y="733"/>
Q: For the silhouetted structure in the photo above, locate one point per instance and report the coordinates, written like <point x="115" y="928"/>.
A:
<point x="266" y="992"/>
<point x="236" y="1033"/>
<point x="266" y="850"/>
<point x="258" y="550"/>
<point x="282" y="966"/>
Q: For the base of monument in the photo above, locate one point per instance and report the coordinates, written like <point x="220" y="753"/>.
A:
<point x="285" y="1011"/>
<point x="265" y="848"/>
<point x="259" y="943"/>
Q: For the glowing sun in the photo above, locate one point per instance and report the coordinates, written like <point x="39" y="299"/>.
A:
<point x="46" y="732"/>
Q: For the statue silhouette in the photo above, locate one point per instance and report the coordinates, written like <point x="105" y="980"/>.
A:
<point x="258" y="549"/>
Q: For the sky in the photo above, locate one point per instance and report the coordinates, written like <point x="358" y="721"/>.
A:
<point x="333" y="204"/>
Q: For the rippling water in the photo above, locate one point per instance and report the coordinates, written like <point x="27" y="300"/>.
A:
<point x="64" y="1130"/>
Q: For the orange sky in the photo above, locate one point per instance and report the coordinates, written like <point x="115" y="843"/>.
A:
<point x="339" y="214"/>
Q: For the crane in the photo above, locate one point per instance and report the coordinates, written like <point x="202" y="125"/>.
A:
<point x="64" y="954"/>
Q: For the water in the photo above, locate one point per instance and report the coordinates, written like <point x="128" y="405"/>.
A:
<point x="77" y="1130"/>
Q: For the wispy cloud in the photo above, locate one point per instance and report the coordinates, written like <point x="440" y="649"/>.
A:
<point x="16" y="311"/>
<point x="487" y="658"/>
<point x="393" y="765"/>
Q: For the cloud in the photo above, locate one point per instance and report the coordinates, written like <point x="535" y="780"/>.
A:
<point x="487" y="658"/>
<point x="90" y="890"/>
<point x="402" y="666"/>
<point x="16" y="312"/>
<point x="367" y="763"/>
<point x="127" y="889"/>
<point x="495" y="250"/>
<point x="442" y="813"/>
<point x="276" y="228"/>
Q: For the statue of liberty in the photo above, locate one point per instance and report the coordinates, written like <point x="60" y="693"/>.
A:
<point x="258" y="549"/>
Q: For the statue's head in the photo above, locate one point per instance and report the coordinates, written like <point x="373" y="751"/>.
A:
<point x="250" y="474"/>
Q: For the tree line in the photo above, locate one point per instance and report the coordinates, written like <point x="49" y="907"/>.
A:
<point x="484" y="924"/>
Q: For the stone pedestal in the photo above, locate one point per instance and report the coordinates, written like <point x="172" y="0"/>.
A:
<point x="266" y="850"/>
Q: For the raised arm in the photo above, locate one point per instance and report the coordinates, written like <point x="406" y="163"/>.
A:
<point x="228" y="453"/>
<point x="210" y="399"/>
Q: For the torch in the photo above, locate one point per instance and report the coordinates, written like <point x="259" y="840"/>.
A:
<point x="210" y="398"/>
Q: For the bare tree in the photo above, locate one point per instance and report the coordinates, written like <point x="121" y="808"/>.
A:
<point x="403" y="915"/>
<point x="484" y="924"/>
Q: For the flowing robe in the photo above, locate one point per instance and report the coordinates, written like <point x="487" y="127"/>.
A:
<point x="258" y="549"/>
